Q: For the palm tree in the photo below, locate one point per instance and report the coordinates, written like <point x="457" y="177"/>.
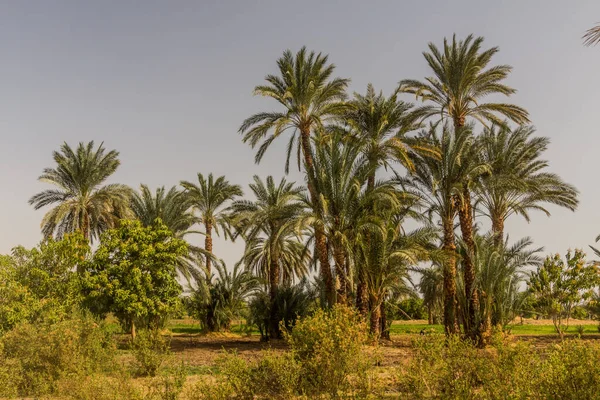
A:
<point x="592" y="36"/>
<point x="518" y="182"/>
<point x="469" y="168"/>
<point x="273" y="245"/>
<point x="431" y="287"/>
<point x="219" y="301"/>
<point x="439" y="183"/>
<point x="379" y="126"/>
<point x="173" y="209"/>
<point x="499" y="272"/>
<point x="309" y="99"/>
<point x="461" y="80"/>
<point x="210" y="198"/>
<point x="83" y="203"/>
<point x="387" y="259"/>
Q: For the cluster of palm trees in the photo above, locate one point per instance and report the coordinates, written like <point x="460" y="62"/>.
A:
<point x="390" y="186"/>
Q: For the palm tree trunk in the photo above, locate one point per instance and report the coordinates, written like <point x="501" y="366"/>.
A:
<point x="274" y="332"/>
<point x="362" y="295"/>
<point x="385" y="332"/>
<point x="339" y="258"/>
<point x="450" y="304"/>
<point x="375" y="318"/>
<point x="498" y="230"/>
<point x="320" y="239"/>
<point x="465" y="215"/>
<point x="208" y="247"/>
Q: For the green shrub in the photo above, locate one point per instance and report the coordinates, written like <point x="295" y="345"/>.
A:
<point x="571" y="370"/>
<point x="452" y="369"/>
<point x="39" y="356"/>
<point x="150" y="350"/>
<point x="329" y="346"/>
<point x="99" y="387"/>
<point x="170" y="385"/>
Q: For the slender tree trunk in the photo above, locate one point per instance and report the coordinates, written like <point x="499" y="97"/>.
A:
<point x="375" y="318"/>
<point x="362" y="291"/>
<point x="362" y="295"/>
<point x="385" y="332"/>
<point x="340" y="263"/>
<point x="465" y="215"/>
<point x="133" y="333"/>
<point x="450" y="304"/>
<point x="208" y="247"/>
<point x="320" y="239"/>
<point x="498" y="230"/>
<point x="273" y="289"/>
<point x="429" y="316"/>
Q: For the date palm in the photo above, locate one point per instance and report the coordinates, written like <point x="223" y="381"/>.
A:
<point x="210" y="197"/>
<point x="82" y="202"/>
<point x="518" y="182"/>
<point x="592" y="36"/>
<point x="440" y="184"/>
<point x="309" y="98"/>
<point x="387" y="258"/>
<point x="172" y="207"/>
<point x="273" y="245"/>
<point x="379" y="128"/>
<point x="461" y="79"/>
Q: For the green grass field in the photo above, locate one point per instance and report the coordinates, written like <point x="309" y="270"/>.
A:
<point x="404" y="328"/>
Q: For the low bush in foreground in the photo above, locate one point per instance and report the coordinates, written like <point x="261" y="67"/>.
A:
<point x="452" y="369"/>
<point x="34" y="358"/>
<point x="326" y="358"/>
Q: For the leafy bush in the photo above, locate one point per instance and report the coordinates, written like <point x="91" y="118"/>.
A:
<point x="99" y="387"/>
<point x="326" y="358"/>
<point x="453" y="369"/>
<point x="150" y="350"/>
<point x="38" y="356"/>
<point x="407" y="309"/>
<point x="329" y="346"/>
<point x="40" y="285"/>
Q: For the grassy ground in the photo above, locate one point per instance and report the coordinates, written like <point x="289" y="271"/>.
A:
<point x="527" y="327"/>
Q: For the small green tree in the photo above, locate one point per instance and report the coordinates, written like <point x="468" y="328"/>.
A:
<point x="558" y="286"/>
<point x="41" y="284"/>
<point x="132" y="274"/>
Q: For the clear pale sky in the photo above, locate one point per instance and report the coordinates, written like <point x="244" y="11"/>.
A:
<point x="167" y="83"/>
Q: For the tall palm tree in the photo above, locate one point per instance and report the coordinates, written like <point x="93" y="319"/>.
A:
<point x="273" y="245"/>
<point x="173" y="209"/>
<point x="461" y="80"/>
<point x="592" y="36"/>
<point x="518" y="182"/>
<point x="210" y="197"/>
<point x="379" y="127"/>
<point x="309" y="98"/>
<point x="82" y="202"/>
<point x="439" y="182"/>
<point x="469" y="168"/>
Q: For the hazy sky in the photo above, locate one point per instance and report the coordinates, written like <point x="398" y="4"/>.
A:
<point x="167" y="83"/>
